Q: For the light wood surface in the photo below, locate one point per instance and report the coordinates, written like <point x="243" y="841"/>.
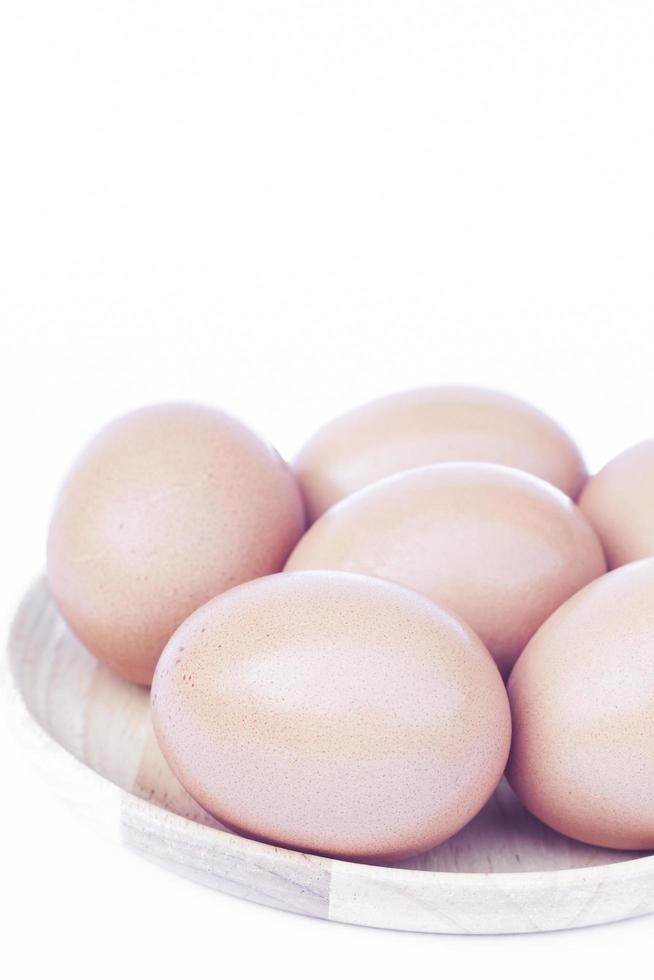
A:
<point x="91" y="734"/>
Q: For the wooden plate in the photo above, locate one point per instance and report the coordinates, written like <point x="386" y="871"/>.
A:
<point x="505" y="872"/>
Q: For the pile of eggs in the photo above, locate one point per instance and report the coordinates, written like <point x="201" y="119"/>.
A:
<point x="347" y="655"/>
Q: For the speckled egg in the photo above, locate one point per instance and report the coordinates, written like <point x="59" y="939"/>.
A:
<point x="332" y="713"/>
<point x="619" y="502"/>
<point x="167" y="507"/>
<point x="582" y="696"/>
<point x="434" y="425"/>
<point x="500" y="548"/>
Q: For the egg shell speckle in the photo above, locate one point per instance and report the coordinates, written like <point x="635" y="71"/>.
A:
<point x="434" y="425"/>
<point x="582" y="696"/>
<point x="167" y="507"/>
<point x="500" y="548"/>
<point x="332" y="713"/>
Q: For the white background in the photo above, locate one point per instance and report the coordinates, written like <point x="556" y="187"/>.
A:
<point x="287" y="208"/>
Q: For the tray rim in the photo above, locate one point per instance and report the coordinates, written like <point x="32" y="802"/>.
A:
<point x="51" y="756"/>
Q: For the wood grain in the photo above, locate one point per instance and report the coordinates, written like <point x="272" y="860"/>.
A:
<point x="91" y="733"/>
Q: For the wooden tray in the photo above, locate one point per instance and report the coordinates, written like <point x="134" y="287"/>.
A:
<point x="505" y="872"/>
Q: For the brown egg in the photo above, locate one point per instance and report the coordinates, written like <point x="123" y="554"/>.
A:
<point x="582" y="696"/>
<point x="498" y="547"/>
<point x="434" y="425"/>
<point x="332" y="713"/>
<point x="619" y="503"/>
<point x="166" y="507"/>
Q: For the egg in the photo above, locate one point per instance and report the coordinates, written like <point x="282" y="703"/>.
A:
<point x="332" y="713"/>
<point x="167" y="507"/>
<point x="500" y="548"/>
<point x="618" y="501"/>
<point x="434" y="425"/>
<point x="582" y="696"/>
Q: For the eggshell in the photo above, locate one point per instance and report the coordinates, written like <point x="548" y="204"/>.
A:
<point x="434" y="425"/>
<point x="166" y="507"/>
<point x="619" y="502"/>
<point x="498" y="547"/>
<point x="332" y="713"/>
<point x="582" y="696"/>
